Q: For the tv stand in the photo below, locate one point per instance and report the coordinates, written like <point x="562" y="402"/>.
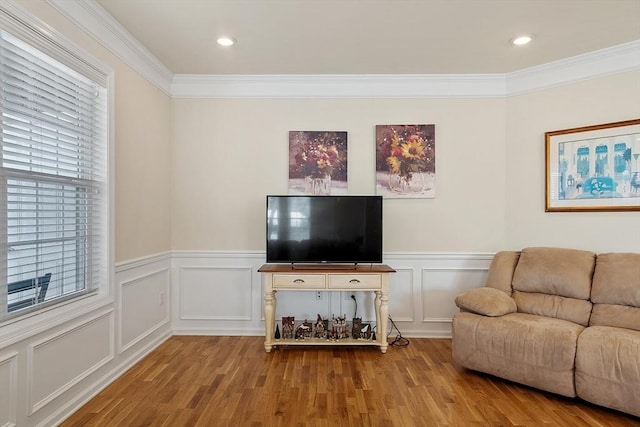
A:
<point x="326" y="277"/>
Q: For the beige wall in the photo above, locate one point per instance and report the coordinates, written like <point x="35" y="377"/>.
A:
<point x="529" y="116"/>
<point x="227" y="154"/>
<point x="142" y="139"/>
<point x="143" y="213"/>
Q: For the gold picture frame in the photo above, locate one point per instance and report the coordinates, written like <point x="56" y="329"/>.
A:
<point x="593" y="168"/>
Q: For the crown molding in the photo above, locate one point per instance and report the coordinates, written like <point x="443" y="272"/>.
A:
<point x="95" y="21"/>
<point x="601" y="63"/>
<point x="31" y="29"/>
<point x="339" y="86"/>
<point x="614" y="60"/>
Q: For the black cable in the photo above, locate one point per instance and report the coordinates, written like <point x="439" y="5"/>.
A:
<point x="399" y="340"/>
<point x="355" y="314"/>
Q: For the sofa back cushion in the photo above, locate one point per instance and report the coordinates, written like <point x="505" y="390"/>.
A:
<point x="616" y="291"/>
<point x="501" y="271"/>
<point x="554" y="282"/>
<point x="571" y="309"/>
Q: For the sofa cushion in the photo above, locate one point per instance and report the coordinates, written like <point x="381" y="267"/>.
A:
<point x="616" y="279"/>
<point x="501" y="270"/>
<point x="620" y="316"/>
<point x="571" y="309"/>
<point x="616" y="291"/>
<point x="486" y="301"/>
<point x="529" y="349"/>
<point x="608" y="368"/>
<point x="555" y="271"/>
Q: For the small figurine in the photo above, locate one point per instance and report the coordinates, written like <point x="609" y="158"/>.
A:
<point x="356" y="327"/>
<point x="303" y="330"/>
<point x="365" y="332"/>
<point x="287" y="327"/>
<point x="320" y="330"/>
<point x="308" y="329"/>
<point x="339" y="328"/>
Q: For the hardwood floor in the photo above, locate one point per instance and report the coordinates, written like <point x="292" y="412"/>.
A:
<point x="232" y="381"/>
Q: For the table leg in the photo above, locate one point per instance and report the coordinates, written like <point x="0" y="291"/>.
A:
<point x="269" y="319"/>
<point x="382" y="315"/>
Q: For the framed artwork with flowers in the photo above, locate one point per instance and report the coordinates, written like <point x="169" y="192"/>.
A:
<point x="406" y="161"/>
<point x="317" y="162"/>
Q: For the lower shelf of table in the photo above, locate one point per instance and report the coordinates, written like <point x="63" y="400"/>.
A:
<point x="323" y="342"/>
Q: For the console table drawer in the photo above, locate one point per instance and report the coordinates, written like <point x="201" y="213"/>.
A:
<point x="299" y="281"/>
<point x="355" y="281"/>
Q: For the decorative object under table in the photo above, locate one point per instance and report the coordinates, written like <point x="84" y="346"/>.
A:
<point x="325" y="277"/>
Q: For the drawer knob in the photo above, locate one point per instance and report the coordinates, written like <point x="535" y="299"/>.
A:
<point x="354" y="281"/>
<point x="298" y="281"/>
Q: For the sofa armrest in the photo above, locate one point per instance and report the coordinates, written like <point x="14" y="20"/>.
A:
<point x="486" y="301"/>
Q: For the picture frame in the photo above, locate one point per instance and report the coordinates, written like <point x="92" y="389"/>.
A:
<point x="318" y="162"/>
<point x="593" y="168"/>
<point x="406" y="161"/>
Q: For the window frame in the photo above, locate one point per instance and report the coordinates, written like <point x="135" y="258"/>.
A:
<point x="24" y="26"/>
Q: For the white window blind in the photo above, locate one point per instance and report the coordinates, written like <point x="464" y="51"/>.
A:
<point x="53" y="202"/>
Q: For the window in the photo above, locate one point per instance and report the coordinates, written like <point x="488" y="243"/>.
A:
<point x="53" y="176"/>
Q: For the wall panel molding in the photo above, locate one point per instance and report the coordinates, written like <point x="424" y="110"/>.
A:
<point x="149" y="274"/>
<point x="217" y="284"/>
<point x="9" y="381"/>
<point x="150" y="306"/>
<point x="411" y="296"/>
<point x="49" y="374"/>
<point x="402" y="311"/>
<point x="92" y="389"/>
<point x="442" y="284"/>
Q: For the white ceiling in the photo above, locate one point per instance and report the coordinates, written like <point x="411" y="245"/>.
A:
<point x="372" y="36"/>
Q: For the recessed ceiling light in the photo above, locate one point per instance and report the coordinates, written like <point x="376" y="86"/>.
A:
<point x="522" y="40"/>
<point x="226" y="41"/>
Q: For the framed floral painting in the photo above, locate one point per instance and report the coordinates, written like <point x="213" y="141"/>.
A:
<point x="317" y="162"/>
<point x="406" y="161"/>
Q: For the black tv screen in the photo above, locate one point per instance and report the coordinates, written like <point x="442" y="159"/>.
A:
<point x="324" y="229"/>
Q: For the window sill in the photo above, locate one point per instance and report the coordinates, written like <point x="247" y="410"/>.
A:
<point x="23" y="327"/>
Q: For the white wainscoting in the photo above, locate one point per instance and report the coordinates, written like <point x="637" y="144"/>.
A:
<point x="203" y="290"/>
<point x="144" y="306"/>
<point x="422" y="291"/>
<point x="47" y="375"/>
<point x="9" y="389"/>
<point x="217" y="293"/>
<point x="220" y="293"/>
<point x="51" y="370"/>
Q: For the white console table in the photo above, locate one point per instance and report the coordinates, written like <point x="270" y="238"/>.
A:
<point x="285" y="277"/>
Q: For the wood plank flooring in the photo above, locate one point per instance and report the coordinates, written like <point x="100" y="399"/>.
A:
<point x="232" y="381"/>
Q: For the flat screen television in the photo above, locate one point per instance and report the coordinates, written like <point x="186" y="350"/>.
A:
<point x="324" y="229"/>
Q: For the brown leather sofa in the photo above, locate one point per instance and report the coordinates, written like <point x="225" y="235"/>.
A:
<point x="562" y="320"/>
